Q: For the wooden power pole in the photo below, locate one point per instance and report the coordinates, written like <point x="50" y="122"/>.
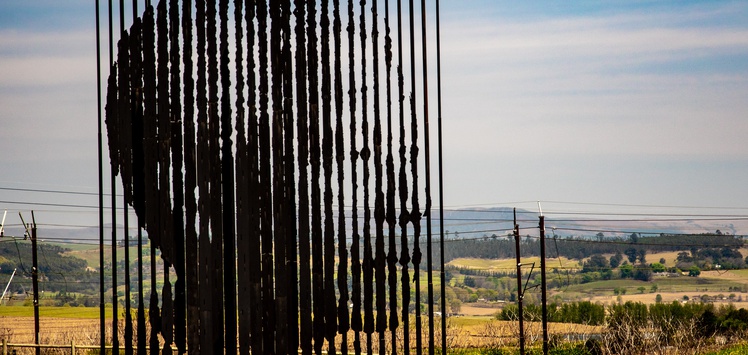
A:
<point x="34" y="276"/>
<point x="520" y="292"/>
<point x="543" y="294"/>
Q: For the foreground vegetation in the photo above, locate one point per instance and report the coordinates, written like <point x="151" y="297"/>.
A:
<point x="624" y="296"/>
<point x="577" y="329"/>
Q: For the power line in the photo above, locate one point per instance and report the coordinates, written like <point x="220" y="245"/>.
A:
<point x="67" y="192"/>
<point x="61" y="225"/>
<point x="456" y="208"/>
<point x="48" y="204"/>
<point x="654" y="219"/>
<point x="741" y="216"/>
<point x="483" y="211"/>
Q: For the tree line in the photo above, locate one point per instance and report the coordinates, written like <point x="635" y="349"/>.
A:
<point x="581" y="247"/>
<point x="58" y="272"/>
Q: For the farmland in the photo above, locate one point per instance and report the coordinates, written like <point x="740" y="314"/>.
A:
<point x="477" y="290"/>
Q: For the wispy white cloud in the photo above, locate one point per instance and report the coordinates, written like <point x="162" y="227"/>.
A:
<point x="47" y="93"/>
<point x="47" y="96"/>
<point x="536" y="107"/>
<point x="596" y="84"/>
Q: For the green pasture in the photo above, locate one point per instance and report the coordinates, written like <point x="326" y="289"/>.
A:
<point x="605" y="286"/>
<point x="695" y="284"/>
<point x="55" y="312"/>
<point x="91" y="254"/>
<point x="75" y="247"/>
<point x="664" y="285"/>
<point x="742" y="273"/>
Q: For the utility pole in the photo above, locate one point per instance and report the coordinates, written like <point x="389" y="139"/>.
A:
<point x="34" y="276"/>
<point x="520" y="293"/>
<point x="543" y="294"/>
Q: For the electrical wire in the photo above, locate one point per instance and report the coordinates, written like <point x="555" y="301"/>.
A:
<point x="66" y="192"/>
<point x="686" y="216"/>
<point x="20" y="262"/>
<point x="44" y="255"/>
<point x="48" y="204"/>
<point x="491" y="207"/>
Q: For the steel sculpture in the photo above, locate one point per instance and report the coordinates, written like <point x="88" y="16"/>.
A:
<point x="275" y="234"/>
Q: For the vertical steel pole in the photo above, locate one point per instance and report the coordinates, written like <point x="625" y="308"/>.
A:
<point x="543" y="294"/>
<point x="128" y="314"/>
<point x="442" y="277"/>
<point x="115" y="324"/>
<point x="520" y="293"/>
<point x="102" y="306"/>
<point x="102" y="330"/>
<point x="114" y="209"/>
<point x="427" y="170"/>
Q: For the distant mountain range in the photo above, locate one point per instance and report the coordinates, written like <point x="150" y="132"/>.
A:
<point x="480" y="222"/>
<point x="477" y="222"/>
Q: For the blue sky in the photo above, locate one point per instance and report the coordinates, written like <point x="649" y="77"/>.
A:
<point x="612" y="102"/>
<point x="627" y="102"/>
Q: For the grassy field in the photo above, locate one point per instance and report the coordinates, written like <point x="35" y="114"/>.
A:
<point x="54" y="312"/>
<point x="669" y="256"/>
<point x="664" y="285"/>
<point x="76" y="247"/>
<point x="738" y="275"/>
<point x="480" y="309"/>
<point x="464" y="321"/>
<point x="721" y="286"/>
<point x="670" y="289"/>
<point x="58" y="325"/>
<point x="478" y="327"/>
<point x="510" y="265"/>
<point x="90" y="254"/>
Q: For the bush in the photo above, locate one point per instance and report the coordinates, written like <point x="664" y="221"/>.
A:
<point x="643" y="273"/>
<point x="626" y="271"/>
<point x="658" y="267"/>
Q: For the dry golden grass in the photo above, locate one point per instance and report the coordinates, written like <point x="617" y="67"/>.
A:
<point x="57" y="331"/>
<point x="473" y="332"/>
<point x="669" y="256"/>
<point x="510" y="265"/>
<point x="495" y="333"/>
<point x="480" y="309"/>
<point x="53" y="331"/>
